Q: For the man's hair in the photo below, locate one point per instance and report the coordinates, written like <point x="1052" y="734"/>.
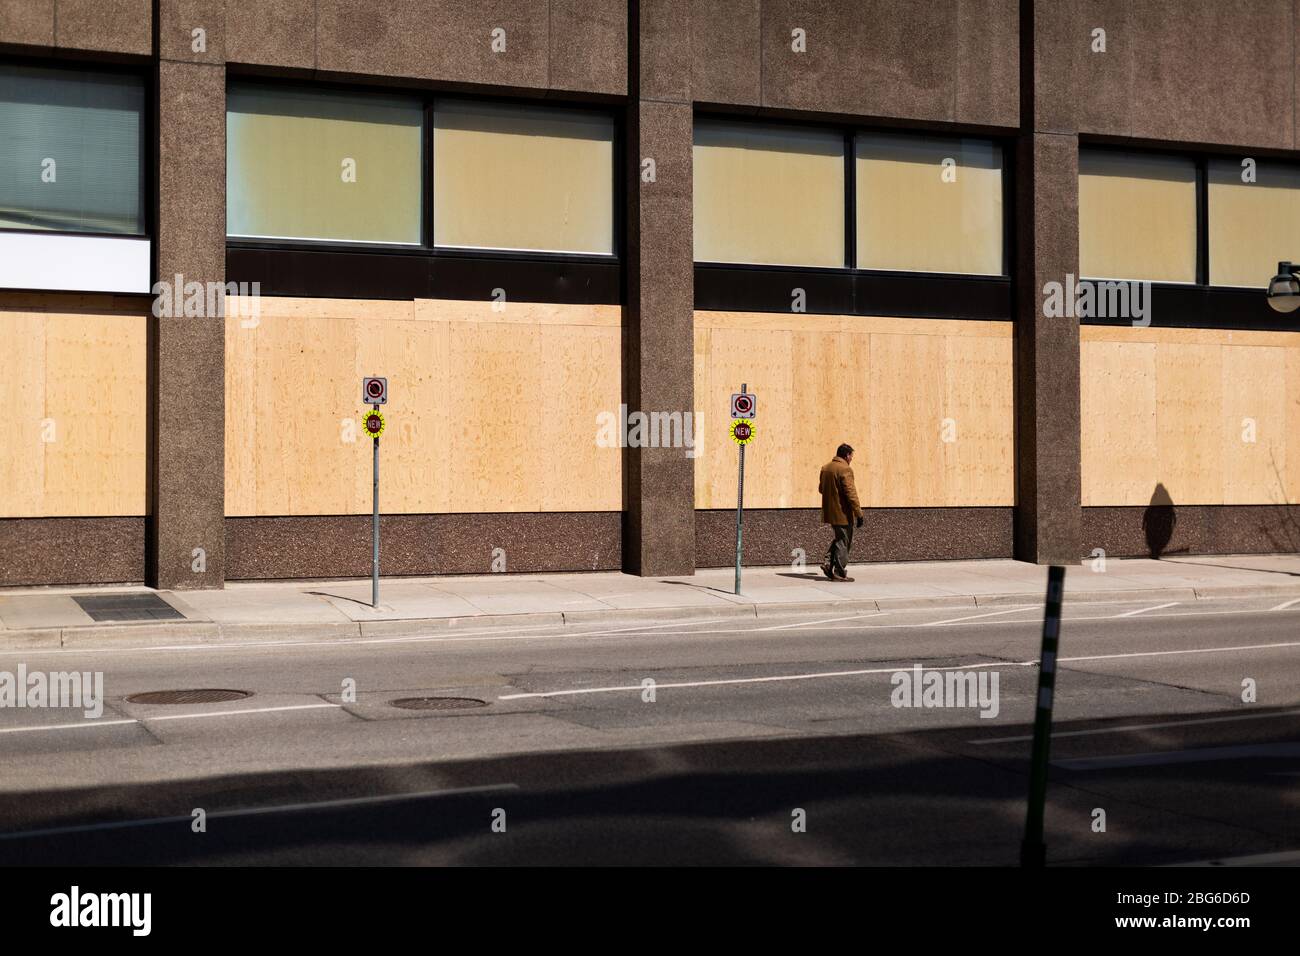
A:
<point x="844" y="450"/>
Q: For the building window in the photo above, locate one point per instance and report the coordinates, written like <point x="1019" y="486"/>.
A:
<point x="323" y="165"/>
<point x="70" y="151"/>
<point x="1137" y="216"/>
<point x="1253" y="225"/>
<point x="929" y="204"/>
<point x="769" y="195"/>
<point x="522" y="178"/>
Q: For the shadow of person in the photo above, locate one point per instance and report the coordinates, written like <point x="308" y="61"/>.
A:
<point x="1158" y="521"/>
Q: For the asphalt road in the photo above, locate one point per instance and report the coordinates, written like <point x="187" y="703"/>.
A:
<point x="752" y="727"/>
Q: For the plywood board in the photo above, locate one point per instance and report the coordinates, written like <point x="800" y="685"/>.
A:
<point x="1118" y="414"/>
<point x="1254" y="425"/>
<point x="1189" y="399"/>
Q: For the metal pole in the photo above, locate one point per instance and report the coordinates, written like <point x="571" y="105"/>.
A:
<point x="1033" y="851"/>
<point x="374" y="528"/>
<point x="740" y="504"/>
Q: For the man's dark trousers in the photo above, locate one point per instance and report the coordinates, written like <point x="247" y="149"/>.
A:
<point x="838" y="555"/>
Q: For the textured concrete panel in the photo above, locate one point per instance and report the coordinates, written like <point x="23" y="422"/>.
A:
<point x="340" y="546"/>
<point x="726" y="51"/>
<point x="188" y="361"/>
<point x="1175" y="530"/>
<point x="177" y="22"/>
<point x="448" y="40"/>
<point x="988" y="62"/>
<point x="589" y="46"/>
<point x="665" y="50"/>
<point x="116" y="26"/>
<point x="659" y="369"/>
<point x="870" y="57"/>
<point x="1047" y="353"/>
<point x="72" y="551"/>
<point x="887" y="534"/>
<point x="271" y="32"/>
<point x="28" y="22"/>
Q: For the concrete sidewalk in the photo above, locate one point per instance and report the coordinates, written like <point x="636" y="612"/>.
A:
<point x="285" y="611"/>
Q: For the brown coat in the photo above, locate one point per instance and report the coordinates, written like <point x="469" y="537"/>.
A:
<point x="839" y="494"/>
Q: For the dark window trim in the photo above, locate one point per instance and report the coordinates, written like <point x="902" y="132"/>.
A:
<point x="142" y="71"/>
<point x="1199" y="304"/>
<point x="749" y="288"/>
<point x="848" y="290"/>
<point x="331" y="272"/>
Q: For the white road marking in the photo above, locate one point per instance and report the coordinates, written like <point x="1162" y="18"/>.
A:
<point x="891" y="670"/>
<point x="975" y="617"/>
<point x="1131" y="727"/>
<point x="751" y="680"/>
<point x="1285" y="604"/>
<point x="829" y="620"/>
<point x="259" y="811"/>
<point x="1143" y="610"/>
<point x="88" y="724"/>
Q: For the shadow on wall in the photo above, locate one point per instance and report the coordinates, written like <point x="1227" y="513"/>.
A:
<point x="1158" y="521"/>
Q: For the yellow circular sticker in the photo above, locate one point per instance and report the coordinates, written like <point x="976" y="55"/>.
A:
<point x="742" y="431"/>
<point x="374" y="424"/>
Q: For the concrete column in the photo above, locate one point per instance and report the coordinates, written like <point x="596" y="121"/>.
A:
<point x="186" y="540"/>
<point x="658" y="339"/>
<point x="1048" y="516"/>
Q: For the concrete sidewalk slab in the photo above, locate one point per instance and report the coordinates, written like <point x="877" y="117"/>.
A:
<point x="34" y="618"/>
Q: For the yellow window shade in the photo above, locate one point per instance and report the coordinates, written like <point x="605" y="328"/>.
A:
<point x="306" y="164"/>
<point x="1137" y="216"/>
<point x="768" y="195"/>
<point x="929" y="204"/>
<point x="1253" y="226"/>
<point x="523" y="177"/>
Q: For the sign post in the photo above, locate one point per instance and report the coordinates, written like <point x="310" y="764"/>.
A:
<point x="375" y="391"/>
<point x="1033" y="851"/>
<point x="743" y="405"/>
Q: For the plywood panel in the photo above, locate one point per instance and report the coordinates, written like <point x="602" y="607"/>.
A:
<point x="498" y="455"/>
<point x="1189" y="399"/>
<point x="888" y="403"/>
<point x="488" y="410"/>
<point x="763" y="363"/>
<point x="1209" y="381"/>
<point x="1254" y="382"/>
<point x="830" y="405"/>
<point x="241" y="423"/>
<point x="1118" y="411"/>
<point x="581" y="370"/>
<point x="96" y="401"/>
<point x="904" y="464"/>
<point x="1293" y="426"/>
<point x="978" y="380"/>
<point x="22" y="391"/>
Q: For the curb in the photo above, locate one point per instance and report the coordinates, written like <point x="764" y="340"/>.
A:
<point x="200" y="633"/>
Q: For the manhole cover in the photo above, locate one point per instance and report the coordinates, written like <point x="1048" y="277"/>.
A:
<point x="438" y="703"/>
<point x="201" y="695"/>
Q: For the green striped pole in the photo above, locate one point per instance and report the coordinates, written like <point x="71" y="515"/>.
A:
<point x="1033" y="851"/>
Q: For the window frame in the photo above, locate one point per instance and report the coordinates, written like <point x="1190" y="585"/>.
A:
<point x="1199" y="304"/>
<point x="849" y="133"/>
<point x="148" y="140"/>
<point x="427" y="247"/>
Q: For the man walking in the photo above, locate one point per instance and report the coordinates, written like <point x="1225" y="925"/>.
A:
<point x="840" y="510"/>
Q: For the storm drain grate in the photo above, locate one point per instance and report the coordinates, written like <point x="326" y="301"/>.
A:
<point x="127" y="607"/>
<point x="201" y="695"/>
<point x="438" y="703"/>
